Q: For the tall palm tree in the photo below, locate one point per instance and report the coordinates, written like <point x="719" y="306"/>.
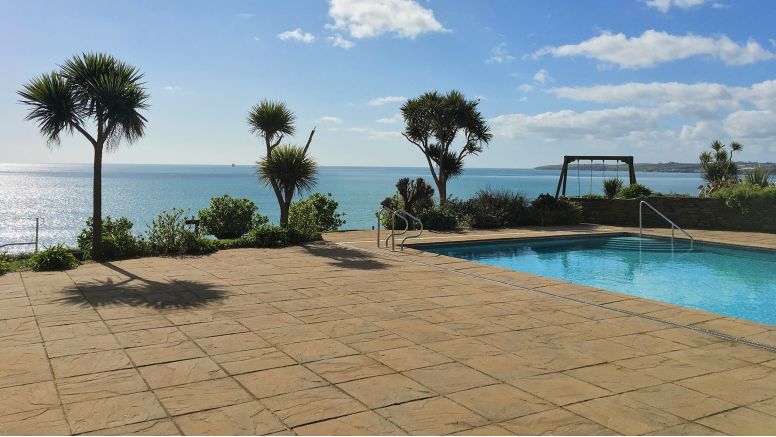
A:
<point x="432" y="123"/>
<point x="291" y="170"/>
<point x="294" y="170"/>
<point x="91" y="91"/>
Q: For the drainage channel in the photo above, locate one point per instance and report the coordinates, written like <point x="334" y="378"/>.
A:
<point x="712" y="333"/>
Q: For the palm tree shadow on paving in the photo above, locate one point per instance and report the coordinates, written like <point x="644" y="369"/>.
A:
<point x="346" y="258"/>
<point x="137" y="291"/>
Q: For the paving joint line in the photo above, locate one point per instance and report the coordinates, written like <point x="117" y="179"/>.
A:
<point x="709" y="332"/>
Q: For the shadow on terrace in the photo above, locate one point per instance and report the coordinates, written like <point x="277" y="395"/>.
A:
<point x="137" y="291"/>
<point x="344" y="257"/>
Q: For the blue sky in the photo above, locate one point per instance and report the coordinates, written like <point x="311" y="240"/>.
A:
<point x="658" y="79"/>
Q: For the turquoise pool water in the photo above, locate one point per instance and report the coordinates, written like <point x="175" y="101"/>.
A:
<point x="723" y="279"/>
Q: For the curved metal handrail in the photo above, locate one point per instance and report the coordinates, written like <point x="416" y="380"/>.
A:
<point x="392" y="237"/>
<point x="673" y="225"/>
<point x="420" y="232"/>
<point x="377" y="215"/>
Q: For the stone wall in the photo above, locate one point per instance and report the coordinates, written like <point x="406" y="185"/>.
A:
<point x="687" y="212"/>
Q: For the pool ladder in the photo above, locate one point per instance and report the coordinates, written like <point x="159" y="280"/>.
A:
<point x="406" y="217"/>
<point x="673" y="225"/>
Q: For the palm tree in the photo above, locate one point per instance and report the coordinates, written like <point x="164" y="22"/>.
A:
<point x="271" y="121"/>
<point x="89" y="89"/>
<point x="290" y="170"/>
<point x="718" y="168"/>
<point x="432" y="123"/>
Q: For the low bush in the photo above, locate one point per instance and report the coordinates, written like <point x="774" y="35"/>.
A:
<point x="612" y="186"/>
<point x="491" y="208"/>
<point x="550" y="211"/>
<point x="438" y="219"/>
<point x="759" y="176"/>
<point x="118" y="241"/>
<point x="746" y="196"/>
<point x="199" y="245"/>
<point x="413" y="196"/>
<point x="303" y="223"/>
<point x="5" y="264"/>
<point x="54" y="258"/>
<point x="227" y="217"/>
<point x="328" y="218"/>
<point x="167" y="235"/>
<point x="634" y="191"/>
<point x="670" y="194"/>
<point x="416" y="195"/>
<point x="266" y="235"/>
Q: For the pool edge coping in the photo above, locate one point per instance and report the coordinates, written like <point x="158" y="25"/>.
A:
<point x="645" y="315"/>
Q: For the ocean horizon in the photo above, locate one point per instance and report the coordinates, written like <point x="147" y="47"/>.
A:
<point x="60" y="194"/>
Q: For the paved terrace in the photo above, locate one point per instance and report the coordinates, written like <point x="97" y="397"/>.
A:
<point x="329" y="339"/>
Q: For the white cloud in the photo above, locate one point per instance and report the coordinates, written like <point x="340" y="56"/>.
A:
<point x="654" y="119"/>
<point x="542" y="76"/>
<point x="297" y="35"/>
<point x="338" y="41"/>
<point x="665" y="5"/>
<point x="371" y="18"/>
<point x="330" y="119"/>
<point x="752" y="126"/>
<point x="390" y="120"/>
<point x="525" y="88"/>
<point x="387" y="99"/>
<point x="499" y="55"/>
<point x="606" y="124"/>
<point x="172" y="88"/>
<point x="243" y="15"/>
<point x="654" y="47"/>
<point x="374" y="134"/>
<point x="698" y="99"/>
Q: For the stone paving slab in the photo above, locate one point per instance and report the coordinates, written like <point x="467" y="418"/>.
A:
<point x="340" y="338"/>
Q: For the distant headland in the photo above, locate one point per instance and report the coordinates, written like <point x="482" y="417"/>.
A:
<point x="663" y="167"/>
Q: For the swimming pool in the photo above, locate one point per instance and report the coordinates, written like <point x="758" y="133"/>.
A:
<point x="728" y="280"/>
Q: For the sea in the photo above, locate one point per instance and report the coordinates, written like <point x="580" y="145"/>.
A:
<point x="59" y="195"/>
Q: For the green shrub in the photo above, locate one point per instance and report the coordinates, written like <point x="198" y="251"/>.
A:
<point x="490" y="208"/>
<point x="266" y="235"/>
<point x="550" y="211"/>
<point x="438" y="219"/>
<point x="54" y="258"/>
<point x="759" y="176"/>
<point x="303" y="223"/>
<point x="634" y="191"/>
<point x="227" y="217"/>
<point x="168" y="235"/>
<point x="328" y="217"/>
<point x="747" y="196"/>
<point x="670" y="194"/>
<point x="5" y="264"/>
<point x="416" y="195"/>
<point x="611" y="187"/>
<point x="118" y="241"/>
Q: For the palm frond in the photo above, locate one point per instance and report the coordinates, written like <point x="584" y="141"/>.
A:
<point x="290" y="168"/>
<point x="52" y="105"/>
<point x="270" y="119"/>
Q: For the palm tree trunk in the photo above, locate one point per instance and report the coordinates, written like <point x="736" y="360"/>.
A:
<point x="284" y="214"/>
<point x="97" y="204"/>
<point x="442" y="188"/>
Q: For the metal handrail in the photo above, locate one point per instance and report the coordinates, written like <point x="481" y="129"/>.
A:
<point x="393" y="235"/>
<point x="31" y="243"/>
<point x="401" y="245"/>
<point x="377" y="214"/>
<point x="403" y="215"/>
<point x="673" y="225"/>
